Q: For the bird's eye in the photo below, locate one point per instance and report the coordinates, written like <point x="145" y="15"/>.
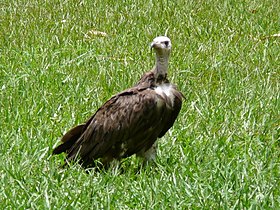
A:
<point x="166" y="43"/>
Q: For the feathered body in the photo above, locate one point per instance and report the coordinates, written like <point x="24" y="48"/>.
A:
<point x="131" y="121"/>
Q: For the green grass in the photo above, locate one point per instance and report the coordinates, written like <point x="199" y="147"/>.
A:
<point x="222" y="153"/>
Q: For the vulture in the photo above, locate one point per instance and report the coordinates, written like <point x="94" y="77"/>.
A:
<point x="131" y="121"/>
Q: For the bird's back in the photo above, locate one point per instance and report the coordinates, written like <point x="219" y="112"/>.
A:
<point x="128" y="123"/>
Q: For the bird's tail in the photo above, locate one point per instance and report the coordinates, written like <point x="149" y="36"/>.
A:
<point x="69" y="139"/>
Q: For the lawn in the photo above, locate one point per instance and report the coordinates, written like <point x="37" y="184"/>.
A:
<point x="61" y="60"/>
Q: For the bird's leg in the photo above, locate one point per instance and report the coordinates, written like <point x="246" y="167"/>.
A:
<point x="115" y="166"/>
<point x="149" y="155"/>
<point x="112" y="164"/>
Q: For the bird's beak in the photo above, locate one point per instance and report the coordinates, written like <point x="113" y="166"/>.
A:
<point x="152" y="45"/>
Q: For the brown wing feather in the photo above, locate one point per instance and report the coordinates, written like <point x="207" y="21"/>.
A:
<point x="173" y="113"/>
<point x="121" y="127"/>
<point x="69" y="139"/>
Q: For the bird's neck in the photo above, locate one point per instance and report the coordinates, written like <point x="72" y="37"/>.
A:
<point x="161" y="66"/>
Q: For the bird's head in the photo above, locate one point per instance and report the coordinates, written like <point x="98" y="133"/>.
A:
<point x="162" y="48"/>
<point x="161" y="44"/>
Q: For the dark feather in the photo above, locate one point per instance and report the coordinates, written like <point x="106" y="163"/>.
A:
<point x="121" y="127"/>
<point x="69" y="139"/>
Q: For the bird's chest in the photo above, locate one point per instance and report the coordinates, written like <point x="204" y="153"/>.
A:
<point x="166" y="91"/>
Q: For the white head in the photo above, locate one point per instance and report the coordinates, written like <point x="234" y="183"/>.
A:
<point x="162" y="47"/>
<point x="161" y="43"/>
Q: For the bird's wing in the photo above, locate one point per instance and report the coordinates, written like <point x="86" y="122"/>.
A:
<point x="125" y="119"/>
<point x="173" y="113"/>
<point x="69" y="139"/>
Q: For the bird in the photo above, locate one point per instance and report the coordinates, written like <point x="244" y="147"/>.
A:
<point x="131" y="121"/>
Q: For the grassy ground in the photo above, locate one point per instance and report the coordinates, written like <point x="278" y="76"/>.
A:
<point x="223" y="152"/>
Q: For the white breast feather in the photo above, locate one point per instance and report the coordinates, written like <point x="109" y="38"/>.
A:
<point x="166" y="90"/>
